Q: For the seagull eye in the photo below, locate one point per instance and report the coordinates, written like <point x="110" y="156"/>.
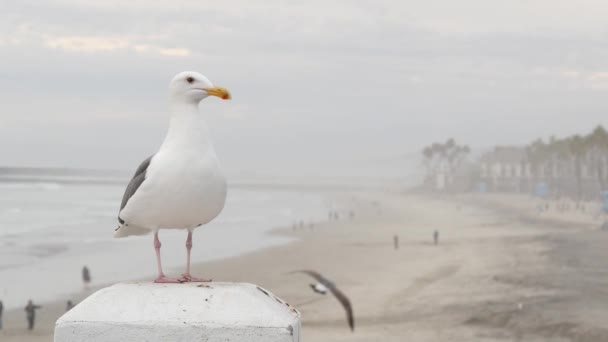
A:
<point x="190" y="79"/>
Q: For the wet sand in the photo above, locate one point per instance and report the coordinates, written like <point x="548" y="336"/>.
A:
<point x="493" y="276"/>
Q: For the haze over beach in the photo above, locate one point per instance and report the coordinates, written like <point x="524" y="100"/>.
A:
<point x="444" y="164"/>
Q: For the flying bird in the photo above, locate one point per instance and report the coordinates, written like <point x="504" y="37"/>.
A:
<point x="181" y="186"/>
<point x="326" y="284"/>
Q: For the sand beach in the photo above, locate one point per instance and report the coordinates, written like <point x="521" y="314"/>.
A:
<point x="492" y="277"/>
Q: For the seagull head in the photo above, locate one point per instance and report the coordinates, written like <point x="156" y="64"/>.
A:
<point x="190" y="86"/>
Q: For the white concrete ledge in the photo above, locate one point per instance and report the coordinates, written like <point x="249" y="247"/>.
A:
<point x="180" y="312"/>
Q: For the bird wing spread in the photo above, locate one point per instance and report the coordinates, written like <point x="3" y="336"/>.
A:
<point x="340" y="296"/>
<point x="346" y="304"/>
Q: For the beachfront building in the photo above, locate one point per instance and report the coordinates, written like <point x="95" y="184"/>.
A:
<point x="515" y="169"/>
<point x="445" y="179"/>
<point x="506" y="169"/>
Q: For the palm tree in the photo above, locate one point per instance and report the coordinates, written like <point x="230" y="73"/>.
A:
<point x="448" y="154"/>
<point x="427" y="160"/>
<point x="577" y="149"/>
<point x="538" y="154"/>
<point x="597" y="144"/>
<point x="560" y="161"/>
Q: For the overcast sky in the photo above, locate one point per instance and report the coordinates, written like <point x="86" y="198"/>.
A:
<point x="318" y="83"/>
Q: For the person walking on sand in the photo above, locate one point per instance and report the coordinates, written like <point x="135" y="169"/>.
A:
<point x="86" y="277"/>
<point x="1" y="310"/>
<point x="30" y="312"/>
<point x="436" y="237"/>
<point x="395" y="241"/>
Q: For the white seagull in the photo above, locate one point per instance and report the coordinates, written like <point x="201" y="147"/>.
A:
<point x="181" y="186"/>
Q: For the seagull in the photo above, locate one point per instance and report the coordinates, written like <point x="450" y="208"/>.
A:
<point x="181" y="186"/>
<point x="325" y="284"/>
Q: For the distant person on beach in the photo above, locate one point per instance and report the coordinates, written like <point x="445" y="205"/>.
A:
<point x="1" y="310"/>
<point x="69" y="306"/>
<point x="396" y="242"/>
<point x="86" y="277"/>
<point x="30" y="312"/>
<point x="436" y="237"/>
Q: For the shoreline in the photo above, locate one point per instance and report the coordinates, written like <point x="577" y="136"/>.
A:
<point x="40" y="242"/>
<point x="14" y="323"/>
<point x="526" y="208"/>
<point x="492" y="277"/>
<point x="56" y="307"/>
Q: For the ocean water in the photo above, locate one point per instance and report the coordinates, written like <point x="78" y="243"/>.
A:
<point x="51" y="227"/>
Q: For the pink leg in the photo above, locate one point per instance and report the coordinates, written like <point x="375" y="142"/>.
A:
<point x="187" y="276"/>
<point x="161" y="276"/>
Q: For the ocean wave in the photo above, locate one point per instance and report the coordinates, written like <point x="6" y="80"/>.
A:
<point x="53" y="181"/>
<point x="49" y="186"/>
<point x="29" y="185"/>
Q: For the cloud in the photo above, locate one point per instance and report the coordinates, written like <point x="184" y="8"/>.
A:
<point x="572" y="74"/>
<point x="174" y="52"/>
<point x="92" y="44"/>
<point x="340" y="78"/>
<point x="87" y="44"/>
<point x="581" y="78"/>
<point x="598" y="76"/>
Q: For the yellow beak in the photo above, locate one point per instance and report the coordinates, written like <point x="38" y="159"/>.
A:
<point x="220" y="92"/>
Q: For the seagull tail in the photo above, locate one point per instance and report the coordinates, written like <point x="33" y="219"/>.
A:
<point x="124" y="230"/>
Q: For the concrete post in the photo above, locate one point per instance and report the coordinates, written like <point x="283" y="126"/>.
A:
<point x="210" y="312"/>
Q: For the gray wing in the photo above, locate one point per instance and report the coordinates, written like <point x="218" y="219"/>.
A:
<point x="136" y="181"/>
<point x="340" y="296"/>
